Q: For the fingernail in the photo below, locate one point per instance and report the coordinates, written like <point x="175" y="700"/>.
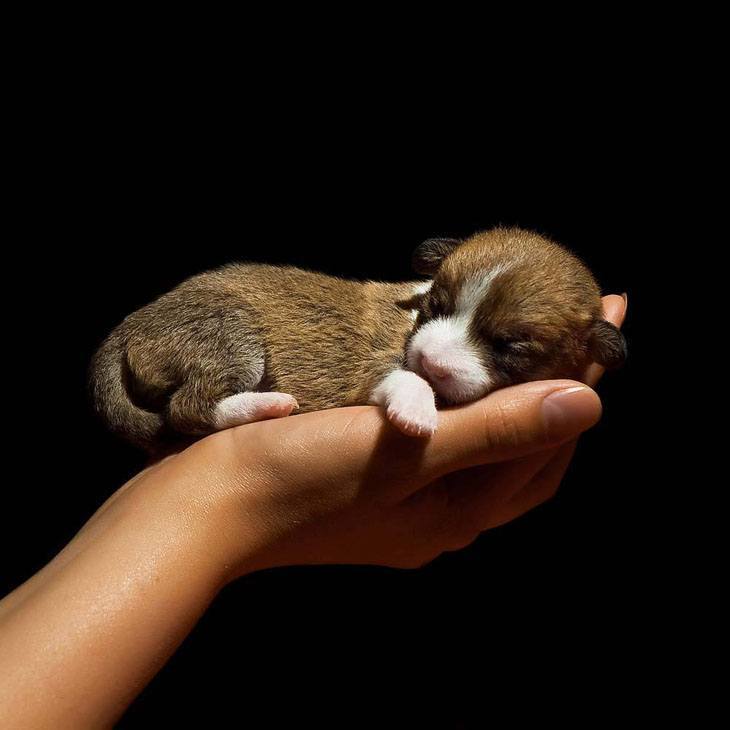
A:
<point x="570" y="411"/>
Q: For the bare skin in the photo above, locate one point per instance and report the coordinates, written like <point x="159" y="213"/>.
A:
<point x="82" y="637"/>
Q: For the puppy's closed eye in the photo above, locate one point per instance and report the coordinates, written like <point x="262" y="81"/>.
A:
<point x="512" y="345"/>
<point x="505" y="343"/>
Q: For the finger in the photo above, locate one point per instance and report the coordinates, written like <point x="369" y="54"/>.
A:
<point x="473" y="500"/>
<point x="511" y="423"/>
<point x="481" y="498"/>
<point x="541" y="488"/>
<point x="485" y="487"/>
<point x="614" y="310"/>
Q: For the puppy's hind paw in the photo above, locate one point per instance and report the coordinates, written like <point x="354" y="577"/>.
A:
<point x="250" y="407"/>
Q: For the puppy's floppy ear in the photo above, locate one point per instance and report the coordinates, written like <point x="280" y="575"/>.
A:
<point x="606" y="344"/>
<point x="429" y="255"/>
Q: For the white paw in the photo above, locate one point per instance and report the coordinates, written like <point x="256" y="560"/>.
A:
<point x="249" y="407"/>
<point x="413" y="411"/>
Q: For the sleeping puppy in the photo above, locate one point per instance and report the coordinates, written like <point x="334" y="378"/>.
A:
<point x="248" y="342"/>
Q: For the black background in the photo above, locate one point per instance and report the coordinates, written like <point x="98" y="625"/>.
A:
<point x="123" y="204"/>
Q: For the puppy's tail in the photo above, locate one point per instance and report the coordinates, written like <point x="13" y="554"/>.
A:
<point x="107" y="380"/>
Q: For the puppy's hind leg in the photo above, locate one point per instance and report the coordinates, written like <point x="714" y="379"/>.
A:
<point x="198" y="408"/>
<point x="223" y="367"/>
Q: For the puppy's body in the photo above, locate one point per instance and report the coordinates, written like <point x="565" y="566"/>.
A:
<point x="243" y="328"/>
<point x="250" y="341"/>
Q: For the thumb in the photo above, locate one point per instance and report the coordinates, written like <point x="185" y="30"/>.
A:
<point x="511" y="423"/>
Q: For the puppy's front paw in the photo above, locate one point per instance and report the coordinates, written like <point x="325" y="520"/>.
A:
<point x="413" y="411"/>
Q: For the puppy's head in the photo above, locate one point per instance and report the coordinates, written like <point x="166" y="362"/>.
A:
<point x="504" y="307"/>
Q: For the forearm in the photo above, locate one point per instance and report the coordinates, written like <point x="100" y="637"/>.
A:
<point x="83" y="637"/>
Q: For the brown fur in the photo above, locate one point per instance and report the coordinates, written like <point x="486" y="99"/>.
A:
<point x="324" y="340"/>
<point x="329" y="341"/>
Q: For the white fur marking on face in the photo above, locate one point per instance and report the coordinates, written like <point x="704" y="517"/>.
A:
<point x="420" y="290"/>
<point x="408" y="401"/>
<point x="423" y="287"/>
<point x="475" y="289"/>
<point x="446" y="344"/>
<point x="249" y="407"/>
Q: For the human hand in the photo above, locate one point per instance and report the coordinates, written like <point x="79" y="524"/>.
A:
<point x="343" y="486"/>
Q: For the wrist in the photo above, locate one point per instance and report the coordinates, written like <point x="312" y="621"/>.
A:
<point x="211" y="501"/>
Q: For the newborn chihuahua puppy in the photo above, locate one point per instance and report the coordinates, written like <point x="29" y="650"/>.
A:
<point x="250" y="341"/>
